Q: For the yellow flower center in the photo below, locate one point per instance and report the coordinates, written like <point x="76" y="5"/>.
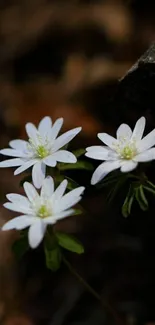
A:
<point x="128" y="152"/>
<point x="43" y="211"/>
<point x="42" y="152"/>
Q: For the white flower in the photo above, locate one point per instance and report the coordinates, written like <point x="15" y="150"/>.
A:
<point x="42" y="210"/>
<point x="125" y="152"/>
<point x="42" y="148"/>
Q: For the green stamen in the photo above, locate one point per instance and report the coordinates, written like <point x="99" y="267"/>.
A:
<point x="128" y="152"/>
<point x="42" y="152"/>
<point x="43" y="211"/>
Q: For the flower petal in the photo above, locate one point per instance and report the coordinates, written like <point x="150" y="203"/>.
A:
<point x="65" y="138"/>
<point x="30" y="191"/>
<point x="36" y="233"/>
<point x="97" y="152"/>
<point x="18" y="144"/>
<point x="104" y="169"/>
<point x="64" y="156"/>
<point x="11" y="162"/>
<point x="17" y="198"/>
<point x="25" y="166"/>
<point x="47" y="187"/>
<point x="38" y="174"/>
<point x="95" y="148"/>
<point x="128" y="165"/>
<point x="69" y="199"/>
<point x="124" y="131"/>
<point x="147" y="155"/>
<point x="18" y="208"/>
<point x="57" y="195"/>
<point x="32" y="132"/>
<point x="108" y="140"/>
<point x="147" y="142"/>
<point x="56" y="128"/>
<point x="13" y="153"/>
<point x="139" y="129"/>
<point x="66" y="213"/>
<point x="44" y="126"/>
<point x="52" y="220"/>
<point x="18" y="223"/>
<point x="50" y="161"/>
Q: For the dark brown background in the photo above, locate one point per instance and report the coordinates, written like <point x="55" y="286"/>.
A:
<point x="64" y="58"/>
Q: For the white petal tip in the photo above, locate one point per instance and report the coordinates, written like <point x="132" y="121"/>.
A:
<point x="142" y="118"/>
<point x="4" y="228"/>
<point x="33" y="246"/>
<point x="65" y="182"/>
<point x="73" y="160"/>
<point x="5" y="205"/>
<point x="89" y="154"/>
<point x="88" y="149"/>
<point x="60" y="119"/>
<point x="47" y="117"/>
<point x="16" y="172"/>
<point x="27" y="125"/>
<point x="3" y="164"/>
<point x="49" y="177"/>
<point x="38" y="186"/>
<point x="77" y="130"/>
<point x="82" y="189"/>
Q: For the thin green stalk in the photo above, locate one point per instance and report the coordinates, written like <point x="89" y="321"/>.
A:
<point x="92" y="291"/>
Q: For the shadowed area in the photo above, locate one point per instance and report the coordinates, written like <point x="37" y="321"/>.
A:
<point x="76" y="59"/>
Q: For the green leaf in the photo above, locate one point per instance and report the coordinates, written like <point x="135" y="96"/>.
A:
<point x="151" y="184"/>
<point x="125" y="211"/>
<point x="143" y="195"/>
<point x="143" y="205"/>
<point x="149" y="189"/>
<point x="116" y="188"/>
<point x="53" y="258"/>
<point x="78" y="165"/>
<point x="79" y="152"/>
<point x="130" y="204"/>
<point x="126" y="208"/>
<point x="20" y="246"/>
<point x="69" y="242"/>
<point x="77" y="212"/>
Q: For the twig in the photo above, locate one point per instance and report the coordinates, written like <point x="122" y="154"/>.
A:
<point x="92" y="291"/>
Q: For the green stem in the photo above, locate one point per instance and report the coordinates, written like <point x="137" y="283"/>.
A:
<point x="92" y="291"/>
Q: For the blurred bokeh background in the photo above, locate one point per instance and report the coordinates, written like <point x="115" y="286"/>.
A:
<point x="64" y="58"/>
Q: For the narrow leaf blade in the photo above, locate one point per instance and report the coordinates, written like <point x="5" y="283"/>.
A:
<point x="78" y="165"/>
<point x="69" y="242"/>
<point x="53" y="258"/>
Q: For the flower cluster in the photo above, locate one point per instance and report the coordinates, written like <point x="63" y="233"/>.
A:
<point x="45" y="148"/>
